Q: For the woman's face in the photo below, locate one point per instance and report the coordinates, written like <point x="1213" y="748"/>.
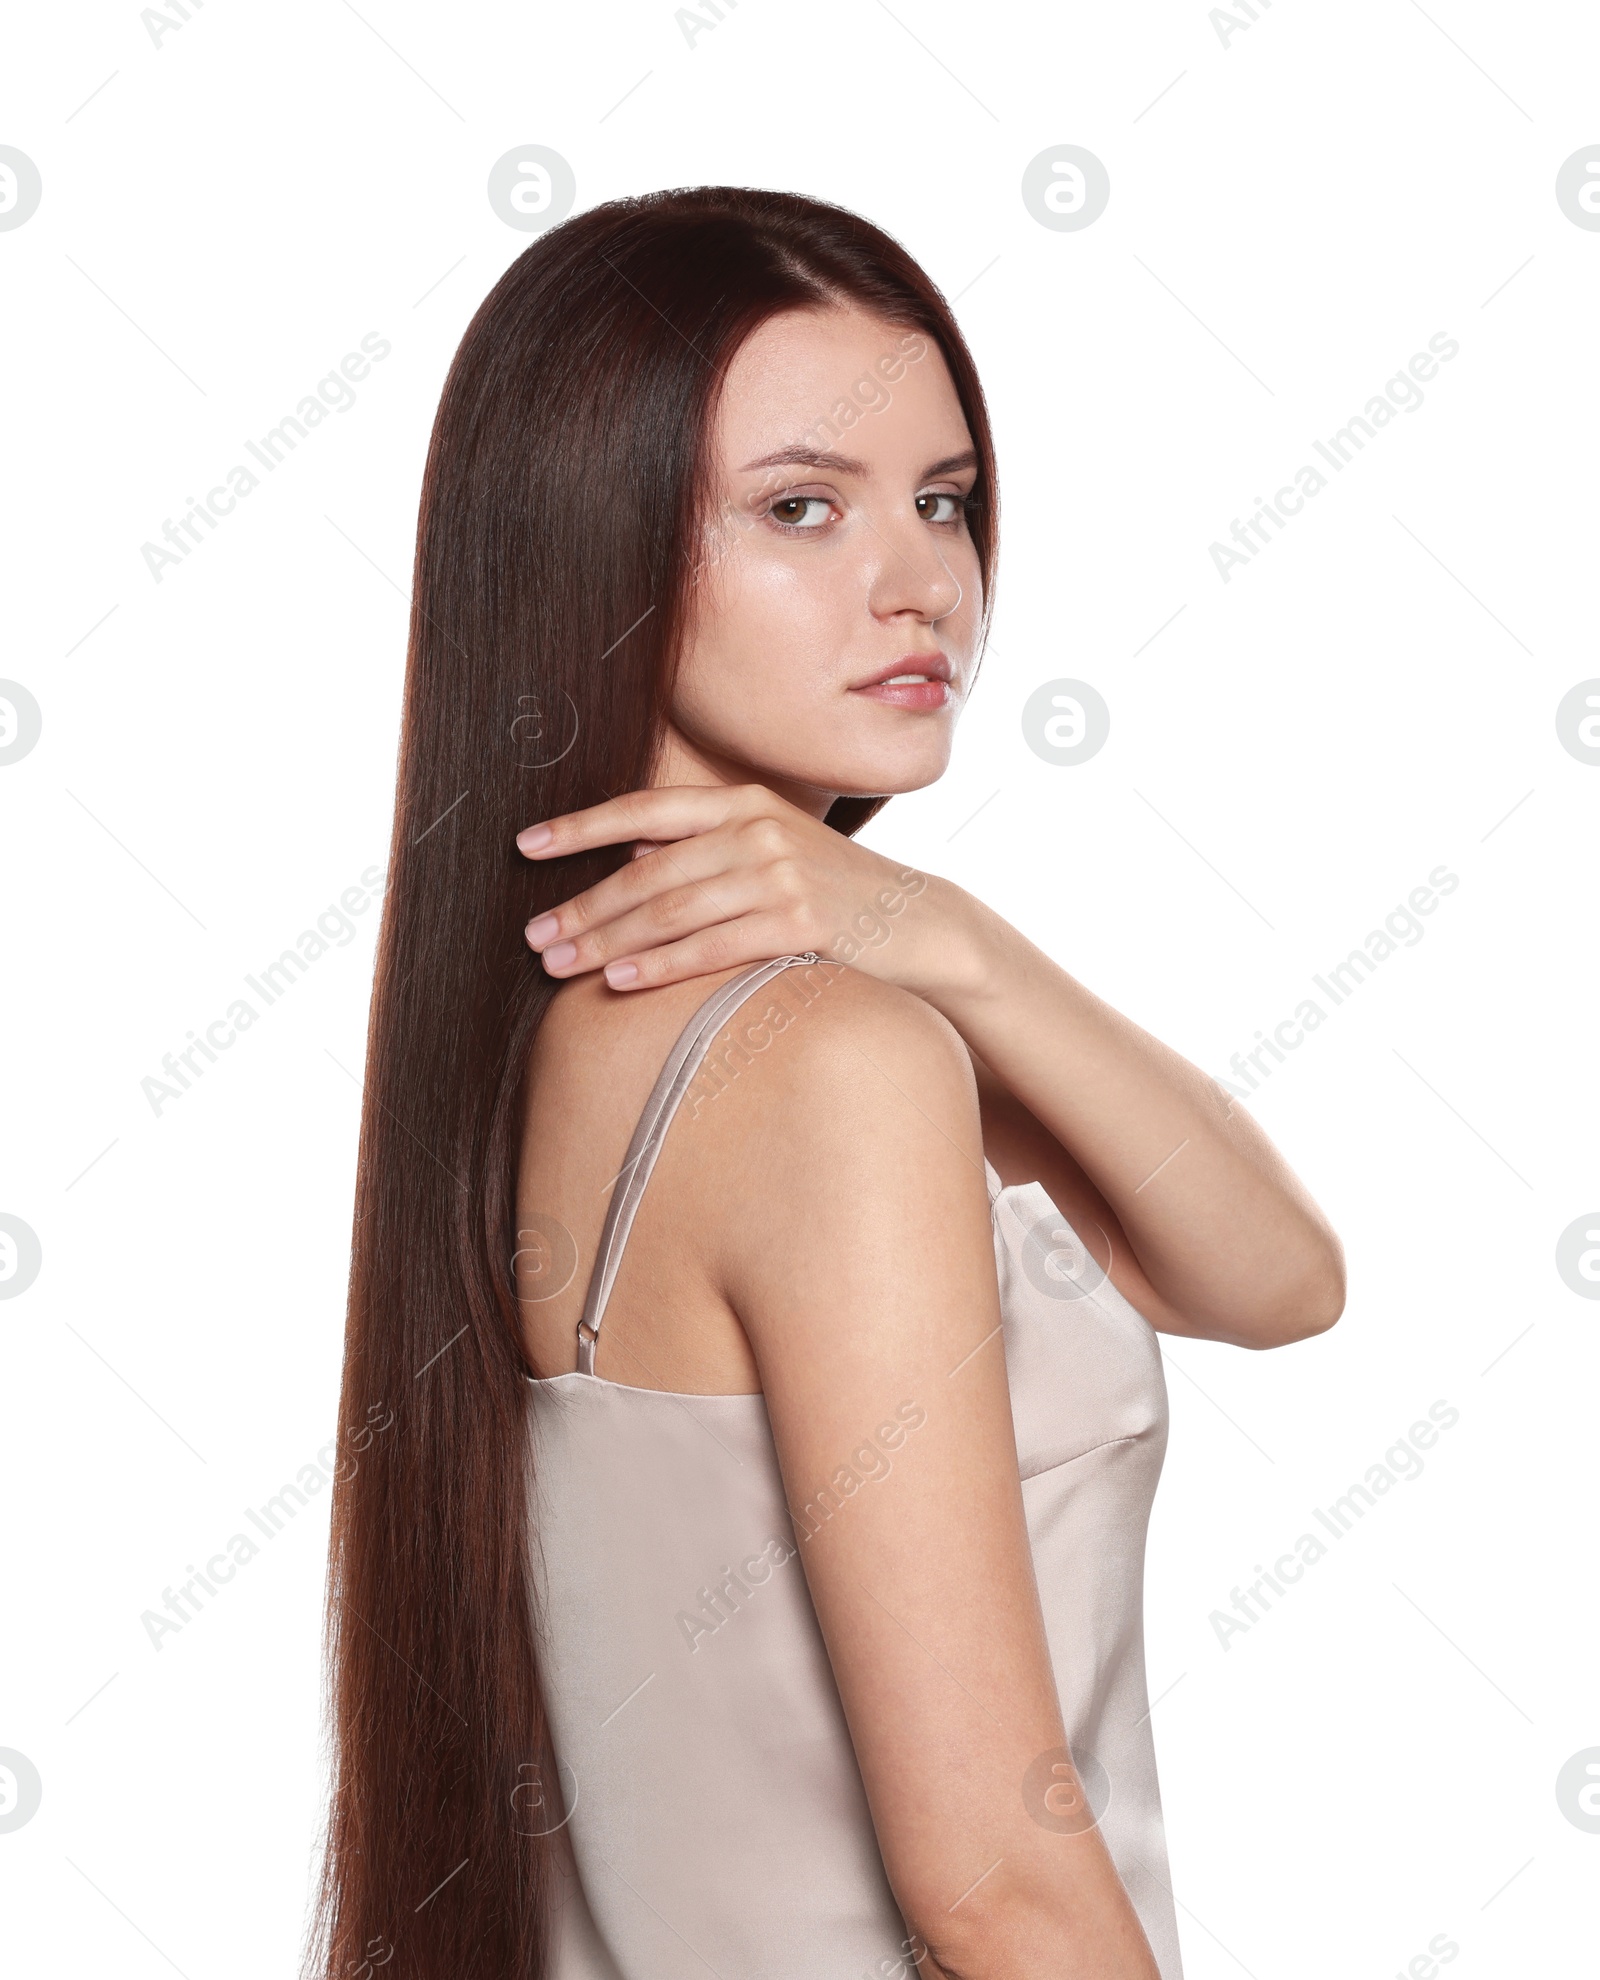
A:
<point x="836" y="607"/>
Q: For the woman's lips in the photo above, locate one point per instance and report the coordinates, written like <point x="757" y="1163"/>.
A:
<point x="917" y="681"/>
<point x="908" y="694"/>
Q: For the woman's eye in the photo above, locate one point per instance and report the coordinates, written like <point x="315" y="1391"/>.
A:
<point x="801" y="511"/>
<point x="929" y="510"/>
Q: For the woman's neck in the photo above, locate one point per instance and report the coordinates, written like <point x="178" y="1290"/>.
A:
<point x="682" y="761"/>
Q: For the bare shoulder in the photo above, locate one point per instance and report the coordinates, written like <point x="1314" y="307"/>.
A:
<point x="587" y="1017"/>
<point x="824" y="1058"/>
<point x="830" y="1023"/>
<point x="832" y="1122"/>
<point x="835" y="1112"/>
<point x="594" y="1060"/>
<point x="830" y="1070"/>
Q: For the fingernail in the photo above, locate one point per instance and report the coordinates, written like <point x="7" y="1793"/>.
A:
<point x="533" y="838"/>
<point x="619" y="973"/>
<point x="559" y="954"/>
<point x="539" y="932"/>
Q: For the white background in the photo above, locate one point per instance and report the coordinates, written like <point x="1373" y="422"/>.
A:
<point x="1294" y="212"/>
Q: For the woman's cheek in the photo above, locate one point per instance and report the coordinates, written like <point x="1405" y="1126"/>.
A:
<point x="794" y="620"/>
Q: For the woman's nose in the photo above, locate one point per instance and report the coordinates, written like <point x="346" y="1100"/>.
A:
<point x="911" y="573"/>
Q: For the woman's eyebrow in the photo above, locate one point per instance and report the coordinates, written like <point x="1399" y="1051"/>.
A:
<point x="952" y="464"/>
<point x="807" y="457"/>
<point x="844" y="464"/>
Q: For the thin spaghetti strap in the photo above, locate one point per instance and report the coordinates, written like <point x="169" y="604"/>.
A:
<point x="677" y="1075"/>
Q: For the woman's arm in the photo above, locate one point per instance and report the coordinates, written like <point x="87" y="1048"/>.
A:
<point x="857" y="1251"/>
<point x="1210" y="1233"/>
<point x="1223" y="1239"/>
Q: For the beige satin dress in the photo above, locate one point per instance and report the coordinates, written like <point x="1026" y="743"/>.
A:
<point x="710" y="1813"/>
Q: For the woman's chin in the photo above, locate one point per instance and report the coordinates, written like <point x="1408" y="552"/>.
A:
<point x="904" y="770"/>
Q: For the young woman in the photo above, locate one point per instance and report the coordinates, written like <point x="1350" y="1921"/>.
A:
<point x="762" y="1274"/>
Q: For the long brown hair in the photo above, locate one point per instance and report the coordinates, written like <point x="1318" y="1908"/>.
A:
<point x="568" y="481"/>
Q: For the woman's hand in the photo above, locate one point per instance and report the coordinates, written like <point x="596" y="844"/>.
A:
<point x="1226" y="1237"/>
<point x="731" y="874"/>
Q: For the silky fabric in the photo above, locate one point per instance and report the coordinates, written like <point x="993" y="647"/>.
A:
<point x="710" y="1817"/>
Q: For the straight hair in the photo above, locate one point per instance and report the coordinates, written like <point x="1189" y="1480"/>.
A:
<point x="569" y="485"/>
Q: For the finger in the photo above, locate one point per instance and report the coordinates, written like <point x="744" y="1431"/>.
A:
<point x="684" y="863"/>
<point x="667" y="917"/>
<point x="751" y="938"/>
<point x="675" y="811"/>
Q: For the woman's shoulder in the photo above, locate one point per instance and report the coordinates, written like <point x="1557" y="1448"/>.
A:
<point x="842" y="1025"/>
<point x="814" y="1026"/>
<point x="586" y="1015"/>
<point x="822" y="1065"/>
<point x="830" y="1080"/>
<point x="596" y="1042"/>
<point x="820" y="1010"/>
<point x="823" y="1106"/>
